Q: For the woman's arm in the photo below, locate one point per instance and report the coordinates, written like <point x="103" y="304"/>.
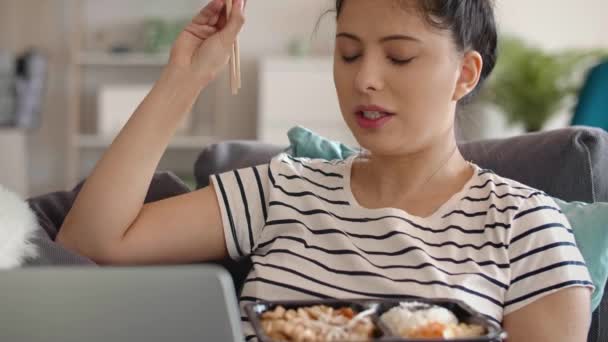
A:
<point x="108" y="221"/>
<point x="560" y="317"/>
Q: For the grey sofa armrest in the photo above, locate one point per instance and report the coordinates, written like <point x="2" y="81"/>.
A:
<point x="232" y="155"/>
<point x="51" y="210"/>
<point x="568" y="163"/>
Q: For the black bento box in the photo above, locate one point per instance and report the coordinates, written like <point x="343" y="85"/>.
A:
<point x="462" y="311"/>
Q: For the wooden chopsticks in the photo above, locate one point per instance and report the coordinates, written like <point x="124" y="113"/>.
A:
<point x="235" y="59"/>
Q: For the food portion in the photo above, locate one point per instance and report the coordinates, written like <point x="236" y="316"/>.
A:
<point x="370" y="320"/>
<point x="317" y="323"/>
<point x="421" y="320"/>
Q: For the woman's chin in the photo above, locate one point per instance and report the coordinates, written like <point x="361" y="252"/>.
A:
<point x="380" y="147"/>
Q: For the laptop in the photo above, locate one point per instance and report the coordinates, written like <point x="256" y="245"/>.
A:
<point x="176" y="303"/>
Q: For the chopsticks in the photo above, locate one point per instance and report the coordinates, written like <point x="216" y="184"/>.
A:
<point x="235" y="58"/>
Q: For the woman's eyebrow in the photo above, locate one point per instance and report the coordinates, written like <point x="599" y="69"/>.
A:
<point x="382" y="40"/>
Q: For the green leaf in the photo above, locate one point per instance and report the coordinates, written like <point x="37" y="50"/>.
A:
<point x="530" y="85"/>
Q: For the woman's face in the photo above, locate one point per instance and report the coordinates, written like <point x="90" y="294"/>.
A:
<point x="396" y="77"/>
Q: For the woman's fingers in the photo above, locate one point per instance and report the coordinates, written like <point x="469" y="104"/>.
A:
<point x="210" y="14"/>
<point x="235" y="23"/>
<point x="201" y="31"/>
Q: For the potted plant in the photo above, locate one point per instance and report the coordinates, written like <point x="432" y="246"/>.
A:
<point x="530" y="85"/>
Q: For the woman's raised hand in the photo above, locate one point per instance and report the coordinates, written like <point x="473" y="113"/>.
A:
<point x="204" y="47"/>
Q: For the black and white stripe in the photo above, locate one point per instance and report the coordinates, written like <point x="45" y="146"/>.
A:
<point x="498" y="245"/>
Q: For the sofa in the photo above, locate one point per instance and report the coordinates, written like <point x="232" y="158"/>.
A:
<point x="570" y="164"/>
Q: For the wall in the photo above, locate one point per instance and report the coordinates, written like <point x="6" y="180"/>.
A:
<point x="553" y="25"/>
<point x="26" y="23"/>
<point x="271" y="25"/>
<point x="556" y="24"/>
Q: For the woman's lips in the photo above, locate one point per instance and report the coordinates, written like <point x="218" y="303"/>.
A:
<point x="377" y="123"/>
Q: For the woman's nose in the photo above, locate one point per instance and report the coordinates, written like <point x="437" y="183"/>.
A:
<point x="369" y="76"/>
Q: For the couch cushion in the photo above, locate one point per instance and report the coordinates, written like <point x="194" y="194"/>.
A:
<point x="232" y="155"/>
<point x="587" y="221"/>
<point x="51" y="210"/>
<point x="565" y="163"/>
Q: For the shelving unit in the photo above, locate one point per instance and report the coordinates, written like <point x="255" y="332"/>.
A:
<point x="179" y="142"/>
<point x="100" y="59"/>
<point x="89" y="69"/>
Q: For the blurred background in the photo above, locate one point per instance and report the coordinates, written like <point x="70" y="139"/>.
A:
<point x="72" y="71"/>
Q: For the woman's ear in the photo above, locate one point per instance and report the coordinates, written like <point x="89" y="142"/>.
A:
<point x="470" y="73"/>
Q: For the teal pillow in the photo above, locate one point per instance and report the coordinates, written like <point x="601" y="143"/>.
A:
<point x="588" y="223"/>
<point x="307" y="144"/>
<point x="587" y="220"/>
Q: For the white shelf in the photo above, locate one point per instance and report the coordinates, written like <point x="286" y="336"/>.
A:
<point x="90" y="67"/>
<point x="100" y="58"/>
<point x="178" y="142"/>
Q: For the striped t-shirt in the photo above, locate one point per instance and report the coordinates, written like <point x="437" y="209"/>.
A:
<point x="497" y="245"/>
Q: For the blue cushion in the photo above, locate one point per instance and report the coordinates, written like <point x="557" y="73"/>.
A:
<point x="592" y="107"/>
<point x="307" y="144"/>
<point x="587" y="220"/>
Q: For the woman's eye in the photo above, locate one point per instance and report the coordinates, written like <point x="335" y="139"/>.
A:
<point x="396" y="61"/>
<point x="350" y="59"/>
<point x="401" y="61"/>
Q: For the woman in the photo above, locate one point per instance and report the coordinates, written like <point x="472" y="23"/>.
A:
<point x="412" y="217"/>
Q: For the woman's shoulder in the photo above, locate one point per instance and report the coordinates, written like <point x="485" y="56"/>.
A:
<point x="507" y="191"/>
<point x="313" y="167"/>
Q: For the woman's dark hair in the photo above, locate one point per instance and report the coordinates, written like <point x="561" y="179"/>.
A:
<point x="471" y="23"/>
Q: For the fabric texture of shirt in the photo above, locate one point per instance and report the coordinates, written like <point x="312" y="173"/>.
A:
<point x="497" y="245"/>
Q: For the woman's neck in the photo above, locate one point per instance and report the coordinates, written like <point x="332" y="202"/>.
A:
<point x="439" y="168"/>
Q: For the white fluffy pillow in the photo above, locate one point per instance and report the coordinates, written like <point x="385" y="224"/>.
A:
<point x="18" y="225"/>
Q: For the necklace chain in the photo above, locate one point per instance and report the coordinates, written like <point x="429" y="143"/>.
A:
<point x="439" y="168"/>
